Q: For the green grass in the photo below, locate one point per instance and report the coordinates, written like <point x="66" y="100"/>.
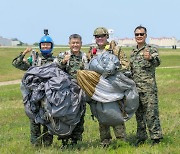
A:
<point x="14" y="124"/>
<point x="7" y="71"/>
<point x="168" y="57"/>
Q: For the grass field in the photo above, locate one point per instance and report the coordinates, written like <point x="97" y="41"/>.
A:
<point x="14" y="125"/>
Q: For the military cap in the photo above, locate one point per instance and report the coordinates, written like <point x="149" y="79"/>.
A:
<point x="100" y="31"/>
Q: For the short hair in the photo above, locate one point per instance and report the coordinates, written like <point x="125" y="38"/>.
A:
<point x="141" y="27"/>
<point x="75" y="36"/>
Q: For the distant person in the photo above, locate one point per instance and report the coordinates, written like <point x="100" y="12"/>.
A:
<point x="37" y="59"/>
<point x="102" y="45"/>
<point x="71" y="61"/>
<point x="143" y="61"/>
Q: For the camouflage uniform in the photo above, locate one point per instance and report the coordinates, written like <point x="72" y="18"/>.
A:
<point x="143" y="73"/>
<point x="119" y="130"/>
<point x="35" y="129"/>
<point x="76" y="62"/>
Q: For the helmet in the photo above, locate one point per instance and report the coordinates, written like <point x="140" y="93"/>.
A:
<point x="46" y="39"/>
<point x="100" y="31"/>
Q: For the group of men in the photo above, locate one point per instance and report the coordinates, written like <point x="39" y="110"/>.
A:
<point x="143" y="61"/>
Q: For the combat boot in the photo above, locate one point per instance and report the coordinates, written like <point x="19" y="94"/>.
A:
<point x="64" y="143"/>
<point x="37" y="144"/>
<point x="105" y="142"/>
<point x="140" y="142"/>
<point x="36" y="140"/>
<point x="155" y="141"/>
<point x="47" y="139"/>
<point x="74" y="142"/>
<point x="121" y="138"/>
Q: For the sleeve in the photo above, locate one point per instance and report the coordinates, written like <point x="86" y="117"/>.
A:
<point x="89" y="54"/>
<point x="60" y="57"/>
<point x="85" y="60"/>
<point x="155" y="60"/>
<point x="20" y="63"/>
<point x="122" y="58"/>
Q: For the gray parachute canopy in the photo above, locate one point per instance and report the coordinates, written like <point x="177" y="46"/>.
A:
<point x="106" y="64"/>
<point x="116" y="97"/>
<point x="52" y="98"/>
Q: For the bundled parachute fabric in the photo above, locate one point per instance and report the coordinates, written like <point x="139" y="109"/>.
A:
<point x="52" y="98"/>
<point x="105" y="63"/>
<point x="88" y="80"/>
<point x="110" y="89"/>
<point x="116" y="97"/>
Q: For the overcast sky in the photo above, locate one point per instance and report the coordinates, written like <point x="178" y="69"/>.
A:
<point x="26" y="20"/>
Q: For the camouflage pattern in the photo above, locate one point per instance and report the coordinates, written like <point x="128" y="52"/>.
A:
<point x="78" y="130"/>
<point x="37" y="137"/>
<point x="76" y="62"/>
<point x="143" y="73"/>
<point x="24" y="64"/>
<point x="122" y="57"/>
<point x="100" y="31"/>
<point x="119" y="130"/>
<point x="21" y="63"/>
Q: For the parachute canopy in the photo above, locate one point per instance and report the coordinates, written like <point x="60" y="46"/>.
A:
<point x="52" y="98"/>
<point x="115" y="94"/>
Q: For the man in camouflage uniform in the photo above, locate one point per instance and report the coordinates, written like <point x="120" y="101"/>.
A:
<point x="143" y="61"/>
<point x="37" y="59"/>
<point x="101" y="35"/>
<point x="71" y="61"/>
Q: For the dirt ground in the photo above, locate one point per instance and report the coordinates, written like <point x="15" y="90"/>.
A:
<point x="10" y="82"/>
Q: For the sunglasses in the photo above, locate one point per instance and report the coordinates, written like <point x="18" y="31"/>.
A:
<point x="141" y="34"/>
<point x="100" y="36"/>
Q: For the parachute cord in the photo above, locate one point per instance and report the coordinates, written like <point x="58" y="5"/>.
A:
<point x="41" y="135"/>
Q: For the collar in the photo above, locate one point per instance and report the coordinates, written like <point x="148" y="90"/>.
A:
<point x="46" y="56"/>
<point x="80" y="53"/>
<point x="138" y="50"/>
